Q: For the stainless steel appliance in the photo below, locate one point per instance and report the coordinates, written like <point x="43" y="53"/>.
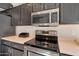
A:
<point x="44" y="44"/>
<point x="11" y="49"/>
<point x="45" y="18"/>
<point x="46" y="36"/>
<point x="34" y="51"/>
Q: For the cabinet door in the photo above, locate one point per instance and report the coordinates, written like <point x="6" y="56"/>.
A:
<point x="69" y="13"/>
<point x="5" y="50"/>
<point x="17" y="52"/>
<point x="37" y="7"/>
<point x="48" y="6"/>
<point x="16" y="16"/>
<point x="26" y="14"/>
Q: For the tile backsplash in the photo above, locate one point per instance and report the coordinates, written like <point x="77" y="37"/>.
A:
<point x="63" y="30"/>
<point x="68" y="31"/>
<point x="31" y="29"/>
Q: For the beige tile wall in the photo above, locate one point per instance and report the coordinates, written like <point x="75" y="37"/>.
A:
<point x="31" y="29"/>
<point x="69" y="31"/>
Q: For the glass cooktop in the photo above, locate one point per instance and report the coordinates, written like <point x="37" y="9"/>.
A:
<point x="43" y="45"/>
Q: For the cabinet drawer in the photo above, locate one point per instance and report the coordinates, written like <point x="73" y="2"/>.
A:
<point x="18" y="46"/>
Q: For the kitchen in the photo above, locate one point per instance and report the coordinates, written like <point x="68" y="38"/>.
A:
<point x="39" y="29"/>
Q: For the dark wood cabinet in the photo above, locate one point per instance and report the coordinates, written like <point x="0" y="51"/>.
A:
<point x="17" y="52"/>
<point x="21" y="15"/>
<point x="26" y="14"/>
<point x="11" y="49"/>
<point x="37" y="7"/>
<point x="69" y="13"/>
<point x="16" y="17"/>
<point x="5" y="49"/>
<point x="44" y="6"/>
<point x="48" y="6"/>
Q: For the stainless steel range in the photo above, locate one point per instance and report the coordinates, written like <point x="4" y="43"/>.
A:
<point x="45" y="43"/>
<point x="46" y="36"/>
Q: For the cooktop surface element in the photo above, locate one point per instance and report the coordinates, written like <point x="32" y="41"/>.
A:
<point x="43" y="45"/>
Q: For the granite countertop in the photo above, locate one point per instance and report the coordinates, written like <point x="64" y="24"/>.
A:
<point x="17" y="39"/>
<point x="68" y="46"/>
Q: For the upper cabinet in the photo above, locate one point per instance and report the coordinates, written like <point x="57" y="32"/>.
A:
<point x="48" y="6"/>
<point x="16" y="16"/>
<point x="21" y="15"/>
<point x="44" y="6"/>
<point x="69" y="13"/>
<point x="37" y="7"/>
<point x="26" y="10"/>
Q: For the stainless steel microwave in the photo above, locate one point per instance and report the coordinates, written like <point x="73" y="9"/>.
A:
<point x="45" y="18"/>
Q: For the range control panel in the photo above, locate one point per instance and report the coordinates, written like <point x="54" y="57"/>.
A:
<point x="46" y="32"/>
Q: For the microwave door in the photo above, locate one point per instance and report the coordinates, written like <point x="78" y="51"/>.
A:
<point x="40" y="18"/>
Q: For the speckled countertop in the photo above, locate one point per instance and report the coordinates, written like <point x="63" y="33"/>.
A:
<point x="18" y="39"/>
<point x="68" y="46"/>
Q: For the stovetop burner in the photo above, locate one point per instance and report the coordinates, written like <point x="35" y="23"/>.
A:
<point x="46" y="44"/>
<point x="43" y="44"/>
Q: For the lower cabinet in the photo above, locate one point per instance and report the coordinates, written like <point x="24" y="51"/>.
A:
<point x="17" y="53"/>
<point x="11" y="49"/>
<point x="5" y="50"/>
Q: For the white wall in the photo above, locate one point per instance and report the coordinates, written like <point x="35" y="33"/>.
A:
<point x="68" y="31"/>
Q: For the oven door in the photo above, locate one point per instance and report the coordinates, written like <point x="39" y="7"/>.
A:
<point x="32" y="53"/>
